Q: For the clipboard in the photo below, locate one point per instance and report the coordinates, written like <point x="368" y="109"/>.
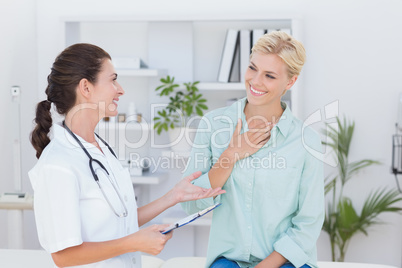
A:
<point x="190" y="218"/>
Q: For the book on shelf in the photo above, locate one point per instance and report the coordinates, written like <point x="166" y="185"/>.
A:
<point x="235" y="69"/>
<point x="256" y="34"/>
<point x="228" y="55"/>
<point x="245" y="50"/>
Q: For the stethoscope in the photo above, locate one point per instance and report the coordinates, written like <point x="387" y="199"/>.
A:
<point x="91" y="161"/>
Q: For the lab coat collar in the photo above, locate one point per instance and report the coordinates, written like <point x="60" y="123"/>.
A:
<point x="61" y="134"/>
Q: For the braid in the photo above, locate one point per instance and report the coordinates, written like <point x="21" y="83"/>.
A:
<point x="43" y="120"/>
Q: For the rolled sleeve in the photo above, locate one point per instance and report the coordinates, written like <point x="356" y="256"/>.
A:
<point x="299" y="241"/>
<point x="291" y="251"/>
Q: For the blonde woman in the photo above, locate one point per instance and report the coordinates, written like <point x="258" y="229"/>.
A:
<point x="273" y="209"/>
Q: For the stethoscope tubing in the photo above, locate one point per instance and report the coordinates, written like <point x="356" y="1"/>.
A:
<point x="91" y="160"/>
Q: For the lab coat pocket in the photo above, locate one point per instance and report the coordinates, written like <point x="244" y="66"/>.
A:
<point x="281" y="184"/>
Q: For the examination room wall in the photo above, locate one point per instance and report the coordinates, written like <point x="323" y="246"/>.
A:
<point x="353" y="58"/>
<point x="18" y="65"/>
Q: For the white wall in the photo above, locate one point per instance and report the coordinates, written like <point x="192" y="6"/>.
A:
<point x="353" y="57"/>
<point x="17" y="67"/>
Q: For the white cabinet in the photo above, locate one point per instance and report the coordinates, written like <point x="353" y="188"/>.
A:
<point x="188" y="48"/>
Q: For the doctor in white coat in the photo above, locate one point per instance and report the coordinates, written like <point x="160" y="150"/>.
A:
<point x="85" y="207"/>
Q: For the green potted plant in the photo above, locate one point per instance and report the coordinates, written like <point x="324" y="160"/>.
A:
<point x="342" y="221"/>
<point x="182" y="105"/>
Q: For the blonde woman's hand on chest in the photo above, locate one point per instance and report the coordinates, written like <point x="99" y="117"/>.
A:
<point x="249" y="142"/>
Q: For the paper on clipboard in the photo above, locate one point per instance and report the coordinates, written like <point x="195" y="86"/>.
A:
<point x="190" y="218"/>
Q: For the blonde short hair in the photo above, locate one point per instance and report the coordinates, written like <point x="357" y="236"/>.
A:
<point x="290" y="50"/>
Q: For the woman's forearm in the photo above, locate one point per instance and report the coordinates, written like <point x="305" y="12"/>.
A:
<point x="90" y="252"/>
<point x="148" y="240"/>
<point x="156" y="207"/>
<point x="222" y="169"/>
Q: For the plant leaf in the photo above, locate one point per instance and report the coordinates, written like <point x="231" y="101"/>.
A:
<point x="202" y="106"/>
<point x="159" y="130"/>
<point x="199" y="111"/>
<point x="356" y="166"/>
<point x="342" y="221"/>
<point x="348" y="220"/>
<point x="378" y="202"/>
<point x="189" y="110"/>
<point x="329" y="186"/>
<point x="161" y="86"/>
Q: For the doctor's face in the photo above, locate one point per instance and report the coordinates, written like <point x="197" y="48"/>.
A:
<point x="107" y="90"/>
<point x="266" y="79"/>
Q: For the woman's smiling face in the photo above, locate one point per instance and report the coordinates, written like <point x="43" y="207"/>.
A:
<point x="107" y="89"/>
<point x="267" y="79"/>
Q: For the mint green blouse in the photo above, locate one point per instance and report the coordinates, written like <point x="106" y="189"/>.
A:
<point x="274" y="199"/>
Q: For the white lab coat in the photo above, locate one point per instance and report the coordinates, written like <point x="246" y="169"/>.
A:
<point x="69" y="206"/>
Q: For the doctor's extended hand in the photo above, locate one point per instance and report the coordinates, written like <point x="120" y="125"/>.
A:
<point x="184" y="190"/>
